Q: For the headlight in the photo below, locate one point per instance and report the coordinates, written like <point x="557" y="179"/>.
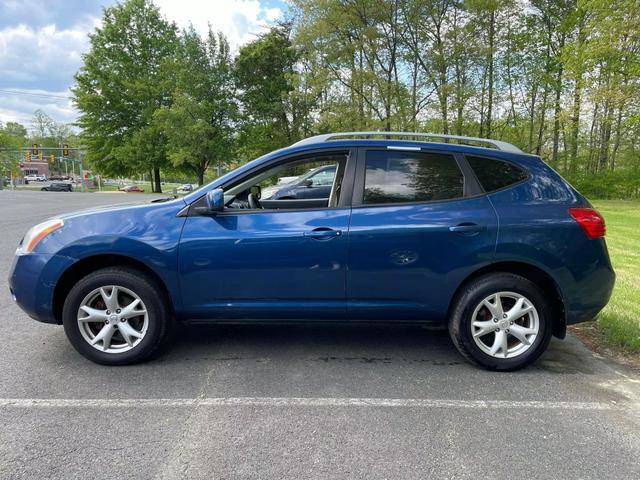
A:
<point x="37" y="233"/>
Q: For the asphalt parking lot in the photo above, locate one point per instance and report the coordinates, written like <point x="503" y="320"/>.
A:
<point x="298" y="402"/>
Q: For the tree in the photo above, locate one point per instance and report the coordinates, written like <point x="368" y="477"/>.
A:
<point x="199" y="123"/>
<point x="123" y="81"/>
<point x="265" y="71"/>
<point x="15" y="129"/>
<point x="42" y="124"/>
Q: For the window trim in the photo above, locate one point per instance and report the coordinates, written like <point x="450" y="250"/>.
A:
<point x="471" y="187"/>
<point x="528" y="177"/>
<point x="345" y="194"/>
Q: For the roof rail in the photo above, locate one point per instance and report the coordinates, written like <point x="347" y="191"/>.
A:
<point x="498" y="144"/>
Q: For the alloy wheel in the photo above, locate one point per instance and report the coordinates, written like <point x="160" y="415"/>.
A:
<point x="505" y="324"/>
<point x="113" y="319"/>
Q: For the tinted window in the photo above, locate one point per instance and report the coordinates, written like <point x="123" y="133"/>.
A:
<point x="495" y="174"/>
<point x="397" y="177"/>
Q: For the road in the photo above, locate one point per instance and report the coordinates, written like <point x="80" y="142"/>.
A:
<point x="298" y="402"/>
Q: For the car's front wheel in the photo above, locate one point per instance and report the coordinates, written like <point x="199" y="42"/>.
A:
<point x="501" y="321"/>
<point x="116" y="316"/>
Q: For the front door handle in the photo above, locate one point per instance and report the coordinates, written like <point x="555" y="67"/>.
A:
<point x="323" y="233"/>
<point x="467" y="228"/>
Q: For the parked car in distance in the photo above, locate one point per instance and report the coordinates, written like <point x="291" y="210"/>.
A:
<point x="35" y="178"/>
<point x="316" y="183"/>
<point x="187" y="187"/>
<point x="131" y="189"/>
<point x="59" y="178"/>
<point x="58" y="187"/>
<point x="488" y="242"/>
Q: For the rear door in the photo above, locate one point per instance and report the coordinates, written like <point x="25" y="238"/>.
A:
<point x="420" y="224"/>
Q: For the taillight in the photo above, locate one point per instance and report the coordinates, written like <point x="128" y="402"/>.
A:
<point x="590" y="220"/>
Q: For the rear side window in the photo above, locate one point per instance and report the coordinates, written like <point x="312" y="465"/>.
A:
<point x="401" y="177"/>
<point x="495" y="174"/>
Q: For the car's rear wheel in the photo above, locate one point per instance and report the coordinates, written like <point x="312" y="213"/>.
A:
<point x="501" y="321"/>
<point x="116" y="316"/>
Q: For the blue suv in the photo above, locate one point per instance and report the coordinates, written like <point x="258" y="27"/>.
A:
<point x="464" y="233"/>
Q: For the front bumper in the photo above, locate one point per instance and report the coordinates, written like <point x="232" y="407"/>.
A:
<point x="32" y="281"/>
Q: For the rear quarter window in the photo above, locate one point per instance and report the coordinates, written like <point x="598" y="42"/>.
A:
<point x="495" y="174"/>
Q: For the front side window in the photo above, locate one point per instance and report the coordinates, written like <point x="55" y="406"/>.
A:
<point x="312" y="182"/>
<point x="401" y="177"/>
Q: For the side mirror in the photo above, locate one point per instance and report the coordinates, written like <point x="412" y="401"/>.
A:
<point x="307" y="183"/>
<point x="214" y="200"/>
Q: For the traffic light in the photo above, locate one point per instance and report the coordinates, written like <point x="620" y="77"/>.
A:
<point x="34" y="149"/>
<point x="27" y="156"/>
<point x="65" y="150"/>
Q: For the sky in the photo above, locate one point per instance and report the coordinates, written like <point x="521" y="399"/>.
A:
<point x="42" y="42"/>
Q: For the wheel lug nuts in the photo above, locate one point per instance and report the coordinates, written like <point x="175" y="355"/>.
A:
<point x="504" y="315"/>
<point x="507" y="330"/>
<point x="108" y="312"/>
<point x="122" y="319"/>
<point x="511" y="322"/>
<point x="497" y="330"/>
<point x="495" y="320"/>
<point x="118" y="311"/>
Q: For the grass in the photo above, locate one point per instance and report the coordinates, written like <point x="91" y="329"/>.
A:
<point x="620" y="320"/>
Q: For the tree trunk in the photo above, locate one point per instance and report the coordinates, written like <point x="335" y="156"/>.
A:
<point x="153" y="186"/>
<point x="156" y="179"/>
<point x="577" y="102"/>
<point x="532" y="115"/>
<point x="556" y="109"/>
<point x="616" y="142"/>
<point x="492" y="31"/>
<point x="575" y="123"/>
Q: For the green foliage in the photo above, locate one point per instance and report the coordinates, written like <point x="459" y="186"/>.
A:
<point x="620" y="319"/>
<point x="123" y="81"/>
<point x="558" y="78"/>
<point x="616" y="184"/>
<point x="199" y="122"/>
<point x="274" y="104"/>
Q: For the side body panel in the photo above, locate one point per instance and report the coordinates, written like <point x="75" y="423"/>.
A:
<point x="536" y="228"/>
<point x="148" y="233"/>
<point x="404" y="261"/>
<point x="264" y="265"/>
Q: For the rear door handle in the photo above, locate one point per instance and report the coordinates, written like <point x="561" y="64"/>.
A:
<point x="467" y="228"/>
<point x="323" y="233"/>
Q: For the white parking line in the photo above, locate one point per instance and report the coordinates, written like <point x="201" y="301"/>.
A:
<point x="306" y="402"/>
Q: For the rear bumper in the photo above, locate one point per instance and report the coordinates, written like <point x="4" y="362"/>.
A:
<point x="32" y="280"/>
<point x="590" y="295"/>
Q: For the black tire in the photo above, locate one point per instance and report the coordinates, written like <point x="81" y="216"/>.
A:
<point x="150" y="293"/>
<point x="460" y="329"/>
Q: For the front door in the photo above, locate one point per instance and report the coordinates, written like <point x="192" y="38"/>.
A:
<point x="419" y="226"/>
<point x="281" y="259"/>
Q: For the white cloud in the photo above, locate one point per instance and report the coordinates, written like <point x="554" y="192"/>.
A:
<point x="20" y="107"/>
<point x="44" y="59"/>
<point x="43" y="56"/>
<point x="40" y="61"/>
<point x="239" y="20"/>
